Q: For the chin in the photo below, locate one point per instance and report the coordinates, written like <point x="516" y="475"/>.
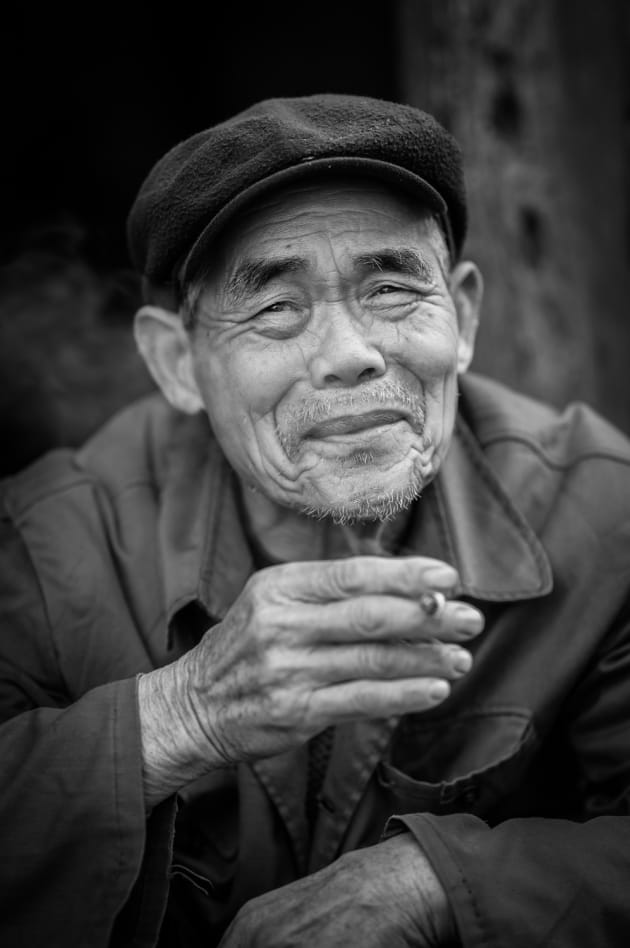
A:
<point x="367" y="496"/>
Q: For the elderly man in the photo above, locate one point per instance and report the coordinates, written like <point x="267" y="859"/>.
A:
<point x="239" y="624"/>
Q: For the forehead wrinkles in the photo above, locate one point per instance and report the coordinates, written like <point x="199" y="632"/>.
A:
<point x="338" y="205"/>
<point x="341" y="221"/>
<point x="336" y="248"/>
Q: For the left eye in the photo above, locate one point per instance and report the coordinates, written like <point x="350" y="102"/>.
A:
<point x="388" y="289"/>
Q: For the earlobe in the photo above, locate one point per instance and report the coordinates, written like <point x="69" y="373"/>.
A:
<point x="164" y="345"/>
<point x="466" y="285"/>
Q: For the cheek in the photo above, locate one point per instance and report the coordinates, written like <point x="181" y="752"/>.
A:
<point x="432" y="357"/>
<point x="240" y="388"/>
<point x="435" y="350"/>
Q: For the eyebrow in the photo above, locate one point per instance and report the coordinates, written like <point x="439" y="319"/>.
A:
<point x="401" y="260"/>
<point x="252" y="276"/>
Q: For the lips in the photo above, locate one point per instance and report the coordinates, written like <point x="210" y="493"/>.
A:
<point x="350" y="424"/>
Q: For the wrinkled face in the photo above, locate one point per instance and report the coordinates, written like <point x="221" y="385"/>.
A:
<point x="325" y="349"/>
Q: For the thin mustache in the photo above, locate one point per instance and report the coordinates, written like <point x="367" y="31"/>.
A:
<point x="310" y="412"/>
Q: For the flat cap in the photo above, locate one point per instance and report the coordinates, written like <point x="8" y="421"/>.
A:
<point x="199" y="184"/>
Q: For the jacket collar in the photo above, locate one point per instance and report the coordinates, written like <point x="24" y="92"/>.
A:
<point x="465" y="517"/>
<point x="205" y="556"/>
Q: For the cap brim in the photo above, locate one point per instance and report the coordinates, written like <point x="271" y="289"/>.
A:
<point x="320" y="167"/>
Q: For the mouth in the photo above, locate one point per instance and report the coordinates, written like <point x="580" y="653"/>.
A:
<point x="351" y="424"/>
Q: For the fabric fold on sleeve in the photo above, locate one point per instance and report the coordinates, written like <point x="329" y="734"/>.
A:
<point x="72" y="816"/>
<point x="530" y="881"/>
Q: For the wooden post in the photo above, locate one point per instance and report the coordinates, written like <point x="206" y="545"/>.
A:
<point x="536" y="93"/>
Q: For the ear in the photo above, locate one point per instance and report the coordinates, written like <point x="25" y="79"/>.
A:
<point x="466" y="285"/>
<point x="165" y="346"/>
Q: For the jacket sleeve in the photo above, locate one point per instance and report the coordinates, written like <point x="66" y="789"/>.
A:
<point x="551" y="882"/>
<point x="72" y="819"/>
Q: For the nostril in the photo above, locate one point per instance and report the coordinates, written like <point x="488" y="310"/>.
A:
<point x="364" y="376"/>
<point x="367" y="374"/>
<point x="332" y="379"/>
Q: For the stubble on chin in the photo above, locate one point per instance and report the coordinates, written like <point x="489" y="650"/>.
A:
<point x="376" y="499"/>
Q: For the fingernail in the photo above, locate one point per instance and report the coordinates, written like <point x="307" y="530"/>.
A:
<point x="444" y="577"/>
<point x="461" y="661"/>
<point x="439" y="690"/>
<point x="468" y="619"/>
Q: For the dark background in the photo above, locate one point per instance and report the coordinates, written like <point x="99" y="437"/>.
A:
<point x="536" y="91"/>
<point x="95" y="100"/>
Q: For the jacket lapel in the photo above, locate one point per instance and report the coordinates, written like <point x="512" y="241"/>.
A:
<point x="357" y="750"/>
<point x="284" y="779"/>
<point x="466" y="518"/>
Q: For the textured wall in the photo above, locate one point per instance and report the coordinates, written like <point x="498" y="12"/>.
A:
<point x="537" y="93"/>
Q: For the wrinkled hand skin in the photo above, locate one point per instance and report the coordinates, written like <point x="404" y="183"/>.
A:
<point x="304" y="646"/>
<point x="385" y="896"/>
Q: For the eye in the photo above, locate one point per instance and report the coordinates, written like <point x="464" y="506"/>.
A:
<point x="280" y="319"/>
<point x="280" y="307"/>
<point x="395" y="294"/>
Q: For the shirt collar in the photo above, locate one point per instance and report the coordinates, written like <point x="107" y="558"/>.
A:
<point x="464" y="517"/>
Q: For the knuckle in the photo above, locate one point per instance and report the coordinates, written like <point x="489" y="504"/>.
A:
<point x="255" y="590"/>
<point x="362" y="619"/>
<point x="442" y="655"/>
<point x="281" y="710"/>
<point x="277" y="711"/>
<point x="255" y="584"/>
<point x="372" y="661"/>
<point x="271" y="623"/>
<point x="269" y="669"/>
<point x="360" y="702"/>
<point x="428" y="658"/>
<point x="270" y="583"/>
<point x="266" y="619"/>
<point x="410" y="573"/>
<point x="346" y="575"/>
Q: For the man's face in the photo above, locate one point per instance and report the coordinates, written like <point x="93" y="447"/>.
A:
<point x="326" y="349"/>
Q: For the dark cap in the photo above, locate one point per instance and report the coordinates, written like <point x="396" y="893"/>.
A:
<point x="198" y="185"/>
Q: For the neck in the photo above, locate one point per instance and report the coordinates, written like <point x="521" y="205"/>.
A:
<point x="284" y="535"/>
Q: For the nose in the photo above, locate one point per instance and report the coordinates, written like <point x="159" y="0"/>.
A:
<point x="345" y="356"/>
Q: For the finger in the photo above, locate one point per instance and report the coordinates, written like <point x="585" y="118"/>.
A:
<point x="349" y="701"/>
<point x="382" y="662"/>
<point x="327" y="580"/>
<point x="376" y="618"/>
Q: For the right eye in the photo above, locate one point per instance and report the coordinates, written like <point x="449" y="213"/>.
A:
<point x="280" y="320"/>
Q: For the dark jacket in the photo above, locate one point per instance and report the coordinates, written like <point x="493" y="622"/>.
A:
<point x="116" y="558"/>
